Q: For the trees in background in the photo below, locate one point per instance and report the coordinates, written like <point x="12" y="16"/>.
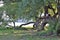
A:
<point x="32" y="9"/>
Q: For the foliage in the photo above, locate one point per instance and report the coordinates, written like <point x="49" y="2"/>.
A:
<point x="28" y="9"/>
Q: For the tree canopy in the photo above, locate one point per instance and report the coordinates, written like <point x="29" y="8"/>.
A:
<point x="25" y="8"/>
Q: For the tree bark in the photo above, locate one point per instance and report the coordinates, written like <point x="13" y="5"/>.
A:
<point x="26" y="24"/>
<point x="14" y="24"/>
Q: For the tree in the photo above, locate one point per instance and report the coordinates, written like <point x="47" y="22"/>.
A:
<point x="11" y="10"/>
<point x="26" y="9"/>
<point x="31" y="9"/>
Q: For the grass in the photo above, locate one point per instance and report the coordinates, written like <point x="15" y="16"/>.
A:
<point x="10" y="34"/>
<point x="25" y="37"/>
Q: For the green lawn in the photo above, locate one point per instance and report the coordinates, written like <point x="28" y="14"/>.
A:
<point x="26" y="37"/>
<point x="10" y="34"/>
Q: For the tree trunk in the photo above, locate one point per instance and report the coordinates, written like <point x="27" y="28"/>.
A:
<point x="58" y="26"/>
<point x="14" y="24"/>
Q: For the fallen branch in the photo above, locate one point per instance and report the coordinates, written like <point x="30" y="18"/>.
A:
<point x="26" y="24"/>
